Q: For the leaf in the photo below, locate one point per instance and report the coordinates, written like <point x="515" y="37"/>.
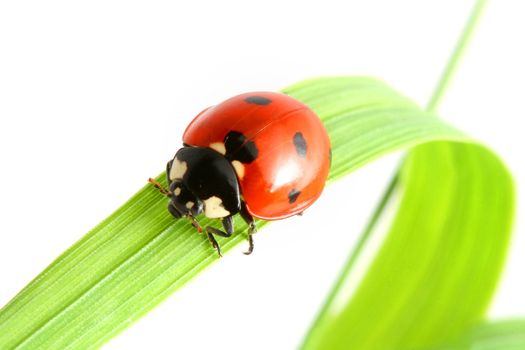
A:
<point x="139" y="255"/>
<point x="427" y="282"/>
<point x="500" y="335"/>
<point x="437" y="269"/>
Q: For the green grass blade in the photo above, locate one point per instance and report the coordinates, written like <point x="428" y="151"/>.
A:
<point x="113" y="275"/>
<point x="457" y="53"/>
<point x="139" y="255"/>
<point x="435" y="273"/>
<point x="501" y="335"/>
<point x="411" y="295"/>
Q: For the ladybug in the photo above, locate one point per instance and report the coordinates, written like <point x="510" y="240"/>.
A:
<point x="263" y="155"/>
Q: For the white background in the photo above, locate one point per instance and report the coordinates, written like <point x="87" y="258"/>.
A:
<point x="94" y="97"/>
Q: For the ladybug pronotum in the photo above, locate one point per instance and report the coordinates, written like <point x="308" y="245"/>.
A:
<point x="263" y="155"/>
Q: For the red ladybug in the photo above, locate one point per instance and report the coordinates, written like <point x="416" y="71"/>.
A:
<point x="260" y="154"/>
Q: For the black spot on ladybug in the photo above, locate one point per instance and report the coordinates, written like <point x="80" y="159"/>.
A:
<point x="292" y="195"/>
<point x="238" y="148"/>
<point x="258" y="100"/>
<point x="300" y="144"/>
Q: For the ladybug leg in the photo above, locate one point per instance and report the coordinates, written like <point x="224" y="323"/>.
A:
<point x="214" y="231"/>
<point x="194" y="222"/>
<point x="227" y="223"/>
<point x="159" y="187"/>
<point x="217" y="232"/>
<point x="213" y="242"/>
<point x="177" y="214"/>
<point x="250" y="244"/>
<point x="245" y="214"/>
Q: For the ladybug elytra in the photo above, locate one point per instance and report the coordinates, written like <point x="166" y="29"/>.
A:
<point x="259" y="154"/>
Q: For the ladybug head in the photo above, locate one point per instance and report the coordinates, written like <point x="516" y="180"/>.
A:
<point x="183" y="201"/>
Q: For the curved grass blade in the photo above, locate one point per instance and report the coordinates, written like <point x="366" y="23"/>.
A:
<point x="500" y="335"/>
<point x="139" y="255"/>
<point x="435" y="287"/>
<point x="435" y="273"/>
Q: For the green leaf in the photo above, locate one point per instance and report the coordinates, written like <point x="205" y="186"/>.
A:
<point x="456" y="211"/>
<point x="447" y="243"/>
<point x="435" y="273"/>
<point x="500" y="335"/>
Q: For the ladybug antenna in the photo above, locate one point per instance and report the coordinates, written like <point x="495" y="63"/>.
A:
<point x="160" y="187"/>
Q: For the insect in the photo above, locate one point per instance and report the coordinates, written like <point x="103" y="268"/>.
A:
<point x="262" y="155"/>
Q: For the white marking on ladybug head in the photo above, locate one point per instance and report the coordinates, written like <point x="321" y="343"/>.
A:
<point x="189" y="204"/>
<point x="239" y="169"/>
<point x="213" y="208"/>
<point x="177" y="191"/>
<point x="219" y="147"/>
<point x="178" y="169"/>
